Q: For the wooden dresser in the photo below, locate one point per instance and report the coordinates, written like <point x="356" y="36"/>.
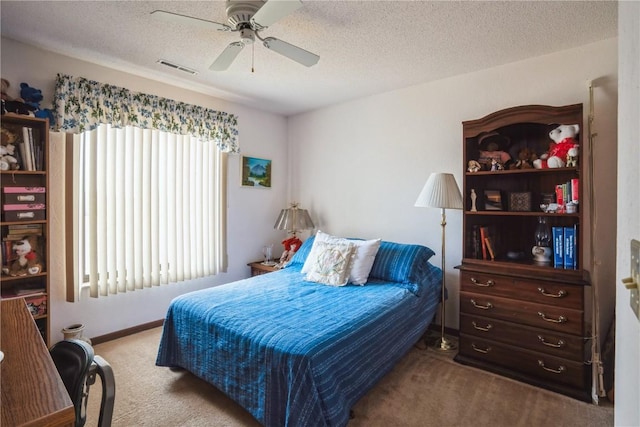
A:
<point x="527" y="328"/>
<point x="32" y="392"/>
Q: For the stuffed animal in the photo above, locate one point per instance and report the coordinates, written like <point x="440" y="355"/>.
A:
<point x="5" y="90"/>
<point x="473" y="166"/>
<point x="32" y="98"/>
<point x="572" y="157"/>
<point x="8" y="150"/>
<point x="526" y="157"/>
<point x="11" y="105"/>
<point x="28" y="259"/>
<point x="564" y="138"/>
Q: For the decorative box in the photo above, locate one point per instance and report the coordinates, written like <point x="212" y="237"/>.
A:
<point x="24" y="212"/>
<point x="520" y="202"/>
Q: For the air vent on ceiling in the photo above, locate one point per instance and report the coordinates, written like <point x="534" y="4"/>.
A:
<point x="176" y="66"/>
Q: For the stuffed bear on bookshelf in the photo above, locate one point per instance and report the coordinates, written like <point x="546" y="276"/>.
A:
<point x="28" y="261"/>
<point x="8" y="141"/>
<point x="564" y="138"/>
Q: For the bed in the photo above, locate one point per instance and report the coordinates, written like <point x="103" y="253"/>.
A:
<point x="294" y="352"/>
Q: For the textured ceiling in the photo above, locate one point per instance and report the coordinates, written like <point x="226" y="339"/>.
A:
<point x="365" y="47"/>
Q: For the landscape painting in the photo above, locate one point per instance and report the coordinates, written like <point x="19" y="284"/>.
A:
<point x="256" y="172"/>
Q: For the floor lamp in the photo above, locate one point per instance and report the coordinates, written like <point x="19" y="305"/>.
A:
<point x="441" y="191"/>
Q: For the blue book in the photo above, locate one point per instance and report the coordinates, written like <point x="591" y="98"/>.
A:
<point x="558" y="251"/>
<point x="569" y="247"/>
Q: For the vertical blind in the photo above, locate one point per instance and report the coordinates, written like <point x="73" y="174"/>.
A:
<point x="149" y="208"/>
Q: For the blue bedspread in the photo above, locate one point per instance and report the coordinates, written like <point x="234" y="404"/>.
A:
<point x="293" y="352"/>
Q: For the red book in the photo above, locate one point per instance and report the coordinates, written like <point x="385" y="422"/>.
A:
<point x="575" y="186"/>
<point x="559" y="195"/>
<point x="484" y="233"/>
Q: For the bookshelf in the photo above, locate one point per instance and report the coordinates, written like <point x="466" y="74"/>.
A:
<point x="522" y="312"/>
<point x="24" y="221"/>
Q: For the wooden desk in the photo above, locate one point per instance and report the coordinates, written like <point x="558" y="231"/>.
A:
<point x="31" y="390"/>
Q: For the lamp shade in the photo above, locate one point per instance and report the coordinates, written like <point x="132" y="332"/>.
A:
<point x="294" y="219"/>
<point x="440" y="191"/>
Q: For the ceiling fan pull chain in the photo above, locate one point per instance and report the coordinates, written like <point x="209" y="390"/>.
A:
<point x="253" y="50"/>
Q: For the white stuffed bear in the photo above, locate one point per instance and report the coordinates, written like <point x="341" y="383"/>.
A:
<point x="7" y="161"/>
<point x="564" y="139"/>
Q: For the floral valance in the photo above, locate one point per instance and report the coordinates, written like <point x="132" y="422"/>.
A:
<point x="81" y="104"/>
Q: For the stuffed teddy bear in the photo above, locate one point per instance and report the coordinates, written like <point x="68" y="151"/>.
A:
<point x="564" y="138"/>
<point x="28" y="259"/>
<point x="473" y="166"/>
<point x="526" y="157"/>
<point x="8" y="150"/>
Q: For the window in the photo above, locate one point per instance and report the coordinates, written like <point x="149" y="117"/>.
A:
<point x="148" y="208"/>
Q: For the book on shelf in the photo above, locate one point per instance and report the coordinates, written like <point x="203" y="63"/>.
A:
<point x="575" y="188"/>
<point x="557" y="234"/>
<point x="487" y="241"/>
<point x="484" y="233"/>
<point x="569" y="247"/>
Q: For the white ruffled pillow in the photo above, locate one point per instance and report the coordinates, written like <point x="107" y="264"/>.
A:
<point x="332" y="263"/>
<point x="365" y="255"/>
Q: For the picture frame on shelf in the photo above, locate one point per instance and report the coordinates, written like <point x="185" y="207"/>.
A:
<point x="492" y="200"/>
<point x="255" y="172"/>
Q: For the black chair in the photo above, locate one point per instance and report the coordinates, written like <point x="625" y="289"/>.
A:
<point x="78" y="366"/>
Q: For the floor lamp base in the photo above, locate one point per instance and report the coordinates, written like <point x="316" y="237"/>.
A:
<point x="443" y="344"/>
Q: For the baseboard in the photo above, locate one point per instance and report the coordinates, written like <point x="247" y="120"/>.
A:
<point x="156" y="323"/>
<point x="125" y="332"/>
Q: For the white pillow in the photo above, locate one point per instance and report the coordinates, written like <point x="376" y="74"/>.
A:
<point x="365" y="254"/>
<point x="366" y="251"/>
<point x="332" y="264"/>
<point x="313" y="253"/>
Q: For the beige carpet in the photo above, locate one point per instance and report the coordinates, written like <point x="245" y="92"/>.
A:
<point x="425" y="389"/>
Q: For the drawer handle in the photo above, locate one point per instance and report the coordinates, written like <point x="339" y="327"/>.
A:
<point x="484" y="285"/>
<point x="560" y="369"/>
<point x="481" y="328"/>
<point x="550" y="344"/>
<point x="480" y="306"/>
<point x="560" y="319"/>
<point x="561" y="293"/>
<point x="481" y="350"/>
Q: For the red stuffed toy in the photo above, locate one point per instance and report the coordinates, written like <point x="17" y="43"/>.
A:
<point x="291" y="245"/>
<point x="564" y="138"/>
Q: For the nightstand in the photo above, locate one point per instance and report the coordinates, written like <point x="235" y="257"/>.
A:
<point x="258" y="268"/>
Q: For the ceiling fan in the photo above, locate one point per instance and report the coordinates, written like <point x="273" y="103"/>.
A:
<point x="249" y="18"/>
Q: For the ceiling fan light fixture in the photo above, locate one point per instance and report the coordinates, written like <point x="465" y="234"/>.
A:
<point x="247" y="36"/>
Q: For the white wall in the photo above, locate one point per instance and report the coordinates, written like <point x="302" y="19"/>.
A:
<point x="359" y="166"/>
<point x="627" y="360"/>
<point x="251" y="212"/>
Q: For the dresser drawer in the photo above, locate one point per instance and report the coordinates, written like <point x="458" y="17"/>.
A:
<point x="542" y="366"/>
<point x="544" y="292"/>
<point x="540" y="340"/>
<point x="522" y="312"/>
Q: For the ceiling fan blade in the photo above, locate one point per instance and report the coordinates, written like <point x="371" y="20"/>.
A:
<point x="189" y="20"/>
<point x="274" y="10"/>
<point x="224" y="60"/>
<point x="296" y="53"/>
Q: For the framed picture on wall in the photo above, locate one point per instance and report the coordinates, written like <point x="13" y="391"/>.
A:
<point x="256" y="172"/>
